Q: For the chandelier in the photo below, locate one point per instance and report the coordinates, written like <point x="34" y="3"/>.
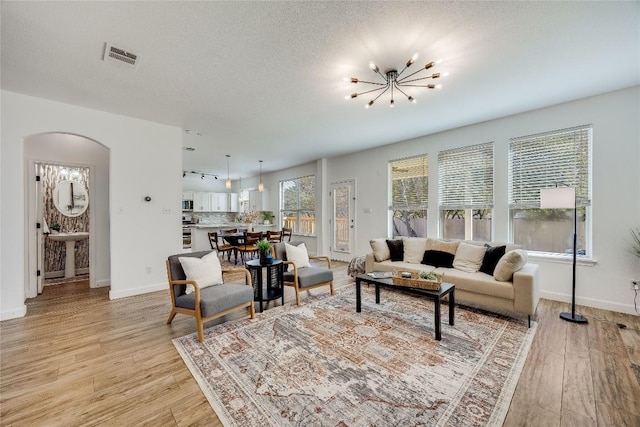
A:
<point x="394" y="82"/>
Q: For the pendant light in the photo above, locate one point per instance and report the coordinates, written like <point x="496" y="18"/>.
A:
<point x="260" y="185"/>
<point x="227" y="183"/>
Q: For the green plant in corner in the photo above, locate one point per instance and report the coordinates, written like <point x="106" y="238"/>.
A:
<point x="634" y="246"/>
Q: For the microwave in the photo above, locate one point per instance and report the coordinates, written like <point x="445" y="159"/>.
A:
<point x="187" y="205"/>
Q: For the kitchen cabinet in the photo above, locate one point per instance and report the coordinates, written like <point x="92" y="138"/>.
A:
<point x="187" y="195"/>
<point x="201" y="202"/>
<point x="215" y="202"/>
<point x="259" y="201"/>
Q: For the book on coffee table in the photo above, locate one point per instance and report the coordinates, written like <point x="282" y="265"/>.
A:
<point x="380" y="274"/>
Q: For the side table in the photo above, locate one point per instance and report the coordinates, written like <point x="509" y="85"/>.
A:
<point x="274" y="280"/>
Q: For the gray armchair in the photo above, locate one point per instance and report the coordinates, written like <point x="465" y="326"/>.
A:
<point x="207" y="303"/>
<point x="305" y="278"/>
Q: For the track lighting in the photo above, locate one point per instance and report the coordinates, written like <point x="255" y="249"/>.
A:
<point x="202" y="176"/>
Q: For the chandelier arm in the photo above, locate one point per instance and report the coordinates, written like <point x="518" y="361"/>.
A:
<point x="398" y="87"/>
<point x="382" y="75"/>
<point x="381" y="93"/>
<point x="372" y="83"/>
<point x="372" y="90"/>
<point x="421" y="78"/>
<point x="407" y="76"/>
<point x="418" y="86"/>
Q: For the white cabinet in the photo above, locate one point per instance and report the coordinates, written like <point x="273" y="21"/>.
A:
<point x="255" y="200"/>
<point x="233" y="202"/>
<point x="219" y="202"/>
<point x="201" y="202"/>
<point x="187" y="195"/>
<point x="215" y="202"/>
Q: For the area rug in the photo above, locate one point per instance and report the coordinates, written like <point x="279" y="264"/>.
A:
<point x="323" y="364"/>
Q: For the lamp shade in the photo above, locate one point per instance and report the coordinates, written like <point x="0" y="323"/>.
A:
<point x="558" y="198"/>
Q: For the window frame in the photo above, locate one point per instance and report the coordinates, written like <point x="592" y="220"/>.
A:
<point x="416" y="208"/>
<point x="299" y="209"/>
<point x="473" y="164"/>
<point x="582" y="169"/>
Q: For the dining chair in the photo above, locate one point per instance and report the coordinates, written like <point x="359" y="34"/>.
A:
<point x="221" y="248"/>
<point x="249" y="244"/>
<point x="286" y="234"/>
<point x="274" y="236"/>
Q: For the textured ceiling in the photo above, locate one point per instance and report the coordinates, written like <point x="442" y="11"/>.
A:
<point x="263" y="80"/>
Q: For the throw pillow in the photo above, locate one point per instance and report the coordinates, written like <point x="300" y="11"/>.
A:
<point x="380" y="249"/>
<point x="491" y="258"/>
<point x="511" y="262"/>
<point x="469" y="257"/>
<point x="206" y="270"/>
<point x="297" y="254"/>
<point x="413" y="249"/>
<point x="396" y="249"/>
<point x="438" y="258"/>
<point x="442" y="245"/>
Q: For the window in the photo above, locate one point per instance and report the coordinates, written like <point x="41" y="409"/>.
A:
<point x="409" y="196"/>
<point x="561" y="157"/>
<point x="466" y="192"/>
<point x="297" y="204"/>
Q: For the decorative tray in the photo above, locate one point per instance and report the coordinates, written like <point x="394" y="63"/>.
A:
<point x="400" y="278"/>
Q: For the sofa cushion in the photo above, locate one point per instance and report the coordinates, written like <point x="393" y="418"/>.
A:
<point x="216" y="299"/>
<point x="510" y="262"/>
<point x="479" y="283"/>
<point x="413" y="249"/>
<point x="396" y="249"/>
<point x="380" y="249"/>
<point x="309" y="276"/>
<point x="469" y="257"/>
<point x="206" y="271"/>
<point x="442" y="245"/>
<point x="437" y="258"/>
<point x="491" y="258"/>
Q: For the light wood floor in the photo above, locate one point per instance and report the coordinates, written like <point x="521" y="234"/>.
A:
<point x="79" y="359"/>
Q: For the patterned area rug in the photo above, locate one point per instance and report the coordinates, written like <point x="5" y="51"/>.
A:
<point x="323" y="364"/>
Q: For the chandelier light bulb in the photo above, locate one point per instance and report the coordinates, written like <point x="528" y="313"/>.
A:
<point x="438" y="86"/>
<point x="391" y="103"/>
<point x="412" y="99"/>
<point x="445" y="74"/>
<point x="373" y="66"/>
<point x="439" y="61"/>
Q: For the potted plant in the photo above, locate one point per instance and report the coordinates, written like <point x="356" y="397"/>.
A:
<point x="264" y="249"/>
<point x="266" y="218"/>
<point x="55" y="228"/>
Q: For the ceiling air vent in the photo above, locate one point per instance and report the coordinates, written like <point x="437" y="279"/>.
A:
<point x="119" y="55"/>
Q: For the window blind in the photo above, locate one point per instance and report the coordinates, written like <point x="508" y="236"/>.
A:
<point x="546" y="160"/>
<point x="410" y="183"/>
<point x="466" y="177"/>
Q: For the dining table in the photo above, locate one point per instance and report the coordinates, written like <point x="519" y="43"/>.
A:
<point x="235" y="240"/>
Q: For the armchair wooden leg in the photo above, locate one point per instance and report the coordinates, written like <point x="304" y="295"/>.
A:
<point x="171" y="316"/>
<point x="297" y="296"/>
<point x="331" y="288"/>
<point x="252" y="310"/>
<point x="200" y="331"/>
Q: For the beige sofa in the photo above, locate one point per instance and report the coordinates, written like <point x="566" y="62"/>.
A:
<point x="518" y="292"/>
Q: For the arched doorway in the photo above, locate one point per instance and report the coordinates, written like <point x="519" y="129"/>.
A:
<point x="74" y="153"/>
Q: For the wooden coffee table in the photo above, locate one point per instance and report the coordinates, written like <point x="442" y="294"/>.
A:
<point x="436" y="296"/>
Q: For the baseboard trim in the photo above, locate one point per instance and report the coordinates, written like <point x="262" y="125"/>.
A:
<point x="116" y="294"/>
<point x="589" y="302"/>
<point x="14" y="314"/>
<point x="102" y="283"/>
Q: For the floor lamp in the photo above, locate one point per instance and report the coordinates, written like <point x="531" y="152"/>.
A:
<point x="565" y="198"/>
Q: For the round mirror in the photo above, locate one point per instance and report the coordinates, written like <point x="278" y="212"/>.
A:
<point x="71" y="198"/>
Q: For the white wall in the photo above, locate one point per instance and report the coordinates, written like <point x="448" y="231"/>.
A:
<point x="616" y="189"/>
<point x="145" y="160"/>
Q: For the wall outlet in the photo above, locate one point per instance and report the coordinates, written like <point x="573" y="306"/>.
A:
<point x="148" y="270"/>
<point x="635" y="285"/>
<point x="166" y="211"/>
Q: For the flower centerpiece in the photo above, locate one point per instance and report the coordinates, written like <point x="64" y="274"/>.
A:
<point x="264" y="249"/>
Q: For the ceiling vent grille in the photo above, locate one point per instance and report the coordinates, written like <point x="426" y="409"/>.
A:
<point x="119" y="55"/>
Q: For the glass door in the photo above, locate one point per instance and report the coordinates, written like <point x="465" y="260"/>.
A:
<point x="343" y="220"/>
